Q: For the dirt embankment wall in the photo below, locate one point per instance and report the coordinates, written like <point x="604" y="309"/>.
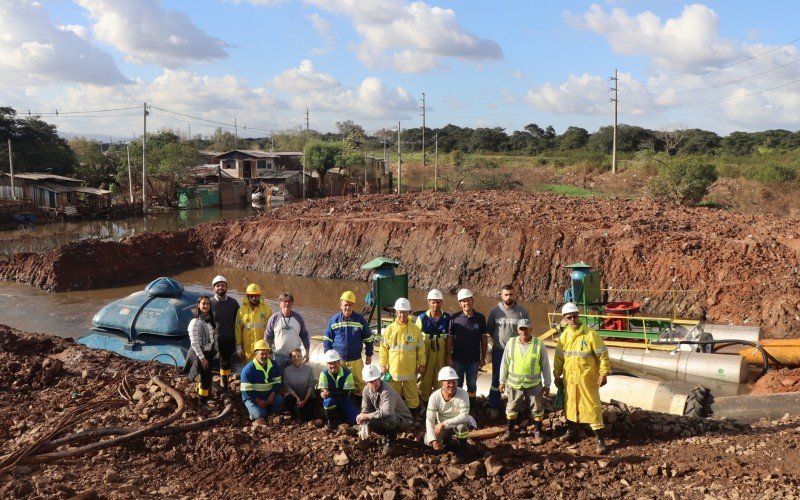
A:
<point x="732" y="268"/>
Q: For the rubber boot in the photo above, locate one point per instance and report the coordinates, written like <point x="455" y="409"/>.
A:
<point x="600" y="435"/>
<point x="390" y="448"/>
<point x="223" y="382"/>
<point x="537" y="432"/>
<point x="204" y="403"/>
<point x="472" y="408"/>
<point x="460" y="451"/>
<point x="572" y="433"/>
<point x="330" y="420"/>
<point x="509" y="435"/>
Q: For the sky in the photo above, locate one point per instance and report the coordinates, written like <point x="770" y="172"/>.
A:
<point x="254" y="67"/>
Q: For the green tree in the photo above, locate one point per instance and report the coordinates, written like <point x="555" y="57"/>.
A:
<point x="94" y="165"/>
<point x="35" y="144"/>
<point x="683" y="180"/>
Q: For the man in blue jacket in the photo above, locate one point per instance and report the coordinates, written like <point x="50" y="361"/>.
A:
<point x="261" y="383"/>
<point x="348" y="334"/>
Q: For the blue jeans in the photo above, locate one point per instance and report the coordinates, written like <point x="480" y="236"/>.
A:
<point x="257" y="412"/>
<point x="494" y="392"/>
<point x="343" y="406"/>
<point x="281" y="361"/>
<point x="470" y="371"/>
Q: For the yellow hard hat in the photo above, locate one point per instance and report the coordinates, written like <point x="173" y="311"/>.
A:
<point x="253" y="289"/>
<point x="261" y="345"/>
<point x="348" y="296"/>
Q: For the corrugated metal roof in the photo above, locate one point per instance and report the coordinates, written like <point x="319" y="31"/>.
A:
<point x="250" y="152"/>
<point x="91" y="190"/>
<point x="35" y="176"/>
<point x="56" y="188"/>
<point x="284" y="174"/>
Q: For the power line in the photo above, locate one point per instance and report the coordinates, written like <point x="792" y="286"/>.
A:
<point x="720" y="101"/>
<point x="58" y="113"/>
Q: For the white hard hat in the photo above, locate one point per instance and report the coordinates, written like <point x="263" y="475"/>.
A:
<point x="402" y="304"/>
<point x="569" y="308"/>
<point x="217" y="279"/>
<point x="464" y="293"/>
<point x="370" y="372"/>
<point x="447" y="373"/>
<point x="435" y="294"/>
<point x="330" y="356"/>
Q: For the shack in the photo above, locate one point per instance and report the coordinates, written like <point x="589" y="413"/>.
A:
<point x="56" y="195"/>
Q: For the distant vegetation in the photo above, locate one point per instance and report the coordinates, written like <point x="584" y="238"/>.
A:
<point x="680" y="164"/>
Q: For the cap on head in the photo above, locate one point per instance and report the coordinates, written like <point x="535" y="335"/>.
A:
<point x="402" y="304"/>
<point x="447" y="373"/>
<point x="435" y="294"/>
<point x="253" y="289"/>
<point x="349" y="297"/>
<point x="261" y="345"/>
<point x="464" y="293"/>
<point x="569" y="308"/>
<point x="331" y="356"/>
<point x="218" y="278"/>
<point x="370" y="372"/>
<point x="524" y="323"/>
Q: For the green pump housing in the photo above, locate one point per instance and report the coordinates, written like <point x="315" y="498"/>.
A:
<point x="584" y="285"/>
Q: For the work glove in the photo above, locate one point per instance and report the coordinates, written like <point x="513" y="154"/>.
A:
<point x="363" y="432"/>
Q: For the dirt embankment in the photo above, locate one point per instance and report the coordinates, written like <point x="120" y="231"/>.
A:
<point x="43" y="379"/>
<point x="732" y="268"/>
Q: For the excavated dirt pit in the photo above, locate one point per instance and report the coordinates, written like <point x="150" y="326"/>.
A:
<point x="652" y="455"/>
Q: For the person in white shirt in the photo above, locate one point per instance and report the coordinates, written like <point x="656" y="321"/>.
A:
<point x="447" y="414"/>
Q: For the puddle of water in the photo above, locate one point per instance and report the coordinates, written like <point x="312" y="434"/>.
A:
<point x="44" y="237"/>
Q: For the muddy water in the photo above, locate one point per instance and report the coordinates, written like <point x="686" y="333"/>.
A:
<point x="69" y="314"/>
<point x="43" y="237"/>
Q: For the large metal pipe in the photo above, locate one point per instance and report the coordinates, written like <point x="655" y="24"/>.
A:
<point x="676" y="365"/>
<point x="733" y="332"/>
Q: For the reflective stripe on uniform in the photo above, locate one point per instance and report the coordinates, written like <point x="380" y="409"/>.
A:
<point x="524" y="370"/>
<point x="248" y="386"/>
<point x="345" y="324"/>
<point x="578" y="354"/>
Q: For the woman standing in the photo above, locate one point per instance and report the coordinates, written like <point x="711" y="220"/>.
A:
<point x="204" y="348"/>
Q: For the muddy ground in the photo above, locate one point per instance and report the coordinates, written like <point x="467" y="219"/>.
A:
<point x="728" y="267"/>
<point x="44" y="378"/>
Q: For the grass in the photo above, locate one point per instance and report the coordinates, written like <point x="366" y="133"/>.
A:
<point x="571" y="190"/>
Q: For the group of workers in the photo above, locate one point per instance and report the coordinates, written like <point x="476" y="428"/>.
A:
<point x="421" y="369"/>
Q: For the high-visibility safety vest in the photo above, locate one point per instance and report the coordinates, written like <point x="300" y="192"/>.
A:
<point x="258" y="381"/>
<point x="339" y="385"/>
<point x="524" y="371"/>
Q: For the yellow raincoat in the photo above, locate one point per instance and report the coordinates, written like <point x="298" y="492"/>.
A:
<point x="250" y="325"/>
<point x="581" y="357"/>
<point x="402" y="350"/>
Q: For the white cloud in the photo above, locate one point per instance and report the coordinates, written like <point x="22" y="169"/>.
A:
<point x="323" y="29"/>
<point x="688" y="43"/>
<point x="411" y="37"/>
<point x="36" y="52"/>
<point x="370" y="100"/>
<point x="146" y="33"/>
<point x="585" y="94"/>
<point x="304" y="79"/>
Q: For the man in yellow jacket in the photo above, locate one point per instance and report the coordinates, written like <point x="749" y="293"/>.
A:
<point x="402" y="354"/>
<point x="582" y="359"/>
<point x="251" y="321"/>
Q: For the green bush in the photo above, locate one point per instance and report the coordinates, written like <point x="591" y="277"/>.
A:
<point x="684" y="181"/>
<point x="772" y="174"/>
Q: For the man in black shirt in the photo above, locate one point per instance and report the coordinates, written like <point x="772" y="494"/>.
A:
<point x="467" y="341"/>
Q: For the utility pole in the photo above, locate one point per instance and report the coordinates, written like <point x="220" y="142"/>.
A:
<point x="399" y="162"/>
<point x="423" y="133"/>
<point x="304" y="157"/>
<point x="385" y="158"/>
<point x="436" y="165"/>
<point x="130" y="175"/>
<point x="236" y="132"/>
<point x="615" y="89"/>
<point x="11" y="170"/>
<point x="144" y="163"/>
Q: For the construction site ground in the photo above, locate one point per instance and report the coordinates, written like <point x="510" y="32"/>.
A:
<point x="652" y="455"/>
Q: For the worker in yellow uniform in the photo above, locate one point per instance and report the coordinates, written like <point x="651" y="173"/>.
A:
<point x="402" y="354"/>
<point x="434" y="324"/>
<point x="251" y="321"/>
<point x="582" y="360"/>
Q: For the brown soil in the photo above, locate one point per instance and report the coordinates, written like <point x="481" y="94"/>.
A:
<point x="783" y="380"/>
<point x="731" y="268"/>
<point x="42" y="378"/>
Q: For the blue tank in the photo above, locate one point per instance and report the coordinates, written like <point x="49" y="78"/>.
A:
<point x="146" y="325"/>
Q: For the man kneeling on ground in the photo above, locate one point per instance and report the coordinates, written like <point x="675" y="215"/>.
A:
<point x="261" y="384"/>
<point x="382" y="409"/>
<point x="448" y="413"/>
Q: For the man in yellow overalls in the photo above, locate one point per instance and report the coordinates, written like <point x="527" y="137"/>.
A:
<point x="402" y="355"/>
<point x="582" y="359"/>
<point x="251" y="321"/>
